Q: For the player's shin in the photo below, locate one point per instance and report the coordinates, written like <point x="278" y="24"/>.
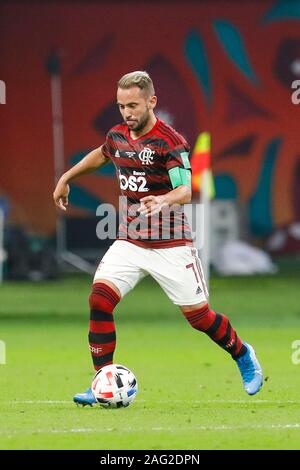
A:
<point x="218" y="328"/>
<point x="102" y="334"/>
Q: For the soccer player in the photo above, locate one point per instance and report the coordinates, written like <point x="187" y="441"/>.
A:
<point x="153" y="170"/>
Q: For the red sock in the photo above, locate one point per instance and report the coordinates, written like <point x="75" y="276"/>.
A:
<point x="102" y="334"/>
<point x="218" y="328"/>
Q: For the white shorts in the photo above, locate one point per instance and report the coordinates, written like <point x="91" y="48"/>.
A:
<point x="177" y="270"/>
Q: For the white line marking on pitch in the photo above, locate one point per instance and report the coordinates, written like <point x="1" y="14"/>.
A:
<point x="171" y="429"/>
<point x="38" y="402"/>
<point x="204" y="402"/>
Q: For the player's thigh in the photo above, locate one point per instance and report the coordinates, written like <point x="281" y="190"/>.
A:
<point x="119" y="268"/>
<point x="179" y="272"/>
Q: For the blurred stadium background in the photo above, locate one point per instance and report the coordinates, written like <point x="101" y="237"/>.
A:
<point x="222" y="67"/>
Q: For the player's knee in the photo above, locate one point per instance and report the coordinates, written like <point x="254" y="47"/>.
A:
<point x="197" y="316"/>
<point x="103" y="298"/>
<point x="191" y="308"/>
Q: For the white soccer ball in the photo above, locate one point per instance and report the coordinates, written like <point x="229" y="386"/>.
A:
<point x="114" y="386"/>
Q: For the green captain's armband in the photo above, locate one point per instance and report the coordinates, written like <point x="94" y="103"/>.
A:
<point x="179" y="176"/>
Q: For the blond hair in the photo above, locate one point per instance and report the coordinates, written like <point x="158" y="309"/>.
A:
<point x="140" y="79"/>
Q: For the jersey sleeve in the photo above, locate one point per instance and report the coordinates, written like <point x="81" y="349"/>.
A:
<point x="108" y="148"/>
<point x="178" y="165"/>
<point x="178" y="156"/>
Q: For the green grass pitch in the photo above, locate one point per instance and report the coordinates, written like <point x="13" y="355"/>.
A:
<point x="190" y="391"/>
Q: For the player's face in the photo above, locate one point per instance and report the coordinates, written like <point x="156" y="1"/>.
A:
<point x="135" y="107"/>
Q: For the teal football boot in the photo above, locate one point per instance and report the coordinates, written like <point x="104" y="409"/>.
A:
<point x="250" y="370"/>
<point x="86" y="398"/>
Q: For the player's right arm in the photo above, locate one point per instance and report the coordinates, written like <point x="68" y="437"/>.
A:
<point x="93" y="160"/>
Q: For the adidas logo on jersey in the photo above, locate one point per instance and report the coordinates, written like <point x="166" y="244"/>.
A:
<point x="198" y="291"/>
<point x="117" y="154"/>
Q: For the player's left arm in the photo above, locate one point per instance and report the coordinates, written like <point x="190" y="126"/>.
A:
<point x="151" y="205"/>
<point x="179" y="170"/>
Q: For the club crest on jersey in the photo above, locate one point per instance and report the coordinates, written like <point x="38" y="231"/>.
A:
<point x="146" y="157"/>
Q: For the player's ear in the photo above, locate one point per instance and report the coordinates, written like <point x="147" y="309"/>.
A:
<point x="152" y="102"/>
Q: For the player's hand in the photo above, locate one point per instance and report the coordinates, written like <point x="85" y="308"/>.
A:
<point x="151" y="205"/>
<point x="61" y="194"/>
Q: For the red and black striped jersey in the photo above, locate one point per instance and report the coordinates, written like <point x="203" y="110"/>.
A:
<point x="142" y="167"/>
